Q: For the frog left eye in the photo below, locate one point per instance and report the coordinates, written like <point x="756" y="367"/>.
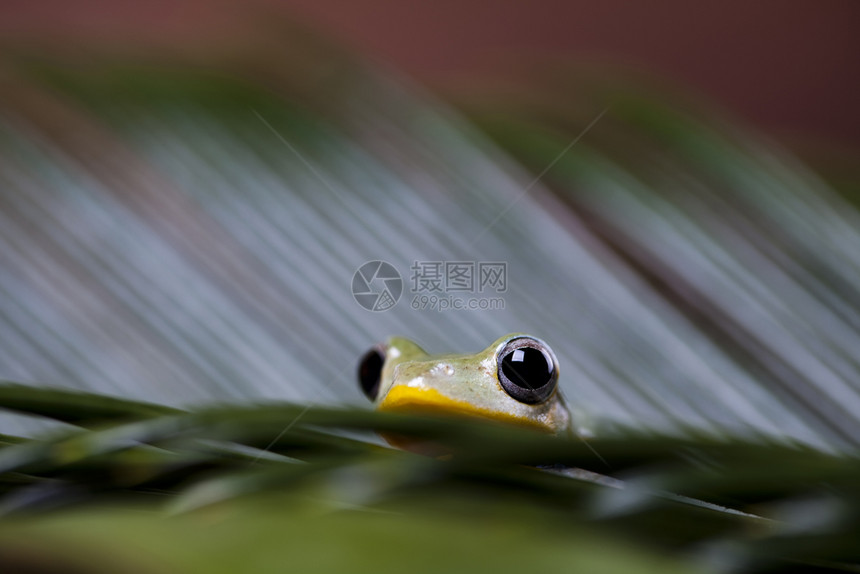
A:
<point x="528" y="370"/>
<point x="370" y="372"/>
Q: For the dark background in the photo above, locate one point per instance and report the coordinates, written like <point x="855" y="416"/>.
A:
<point x="788" y="67"/>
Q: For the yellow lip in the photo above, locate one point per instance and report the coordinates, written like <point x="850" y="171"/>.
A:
<point x="416" y="400"/>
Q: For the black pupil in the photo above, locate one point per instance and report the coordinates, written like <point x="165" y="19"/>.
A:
<point x="370" y="372"/>
<point x="527" y="368"/>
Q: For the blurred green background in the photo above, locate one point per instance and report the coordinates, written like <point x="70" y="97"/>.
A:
<point x="185" y="198"/>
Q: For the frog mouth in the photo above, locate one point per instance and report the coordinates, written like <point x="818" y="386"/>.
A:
<point x="406" y="399"/>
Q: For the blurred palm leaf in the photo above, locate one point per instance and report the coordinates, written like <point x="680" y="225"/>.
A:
<point x="180" y="235"/>
<point x="186" y="233"/>
<point x="226" y="474"/>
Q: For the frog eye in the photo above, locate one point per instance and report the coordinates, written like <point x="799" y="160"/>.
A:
<point x="528" y="370"/>
<point x="370" y="372"/>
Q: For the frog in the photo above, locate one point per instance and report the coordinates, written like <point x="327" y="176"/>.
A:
<point x="514" y="381"/>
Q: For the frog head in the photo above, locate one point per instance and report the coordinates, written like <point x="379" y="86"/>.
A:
<point x="514" y="380"/>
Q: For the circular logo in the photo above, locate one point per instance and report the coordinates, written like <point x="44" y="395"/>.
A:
<point x="377" y="286"/>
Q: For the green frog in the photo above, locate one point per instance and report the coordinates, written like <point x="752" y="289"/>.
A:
<point x="514" y="380"/>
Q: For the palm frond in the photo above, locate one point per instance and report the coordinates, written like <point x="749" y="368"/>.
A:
<point x="178" y="238"/>
<point x="683" y="495"/>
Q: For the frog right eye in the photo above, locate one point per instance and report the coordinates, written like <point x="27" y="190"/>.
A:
<point x="528" y="370"/>
<point x="370" y="372"/>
